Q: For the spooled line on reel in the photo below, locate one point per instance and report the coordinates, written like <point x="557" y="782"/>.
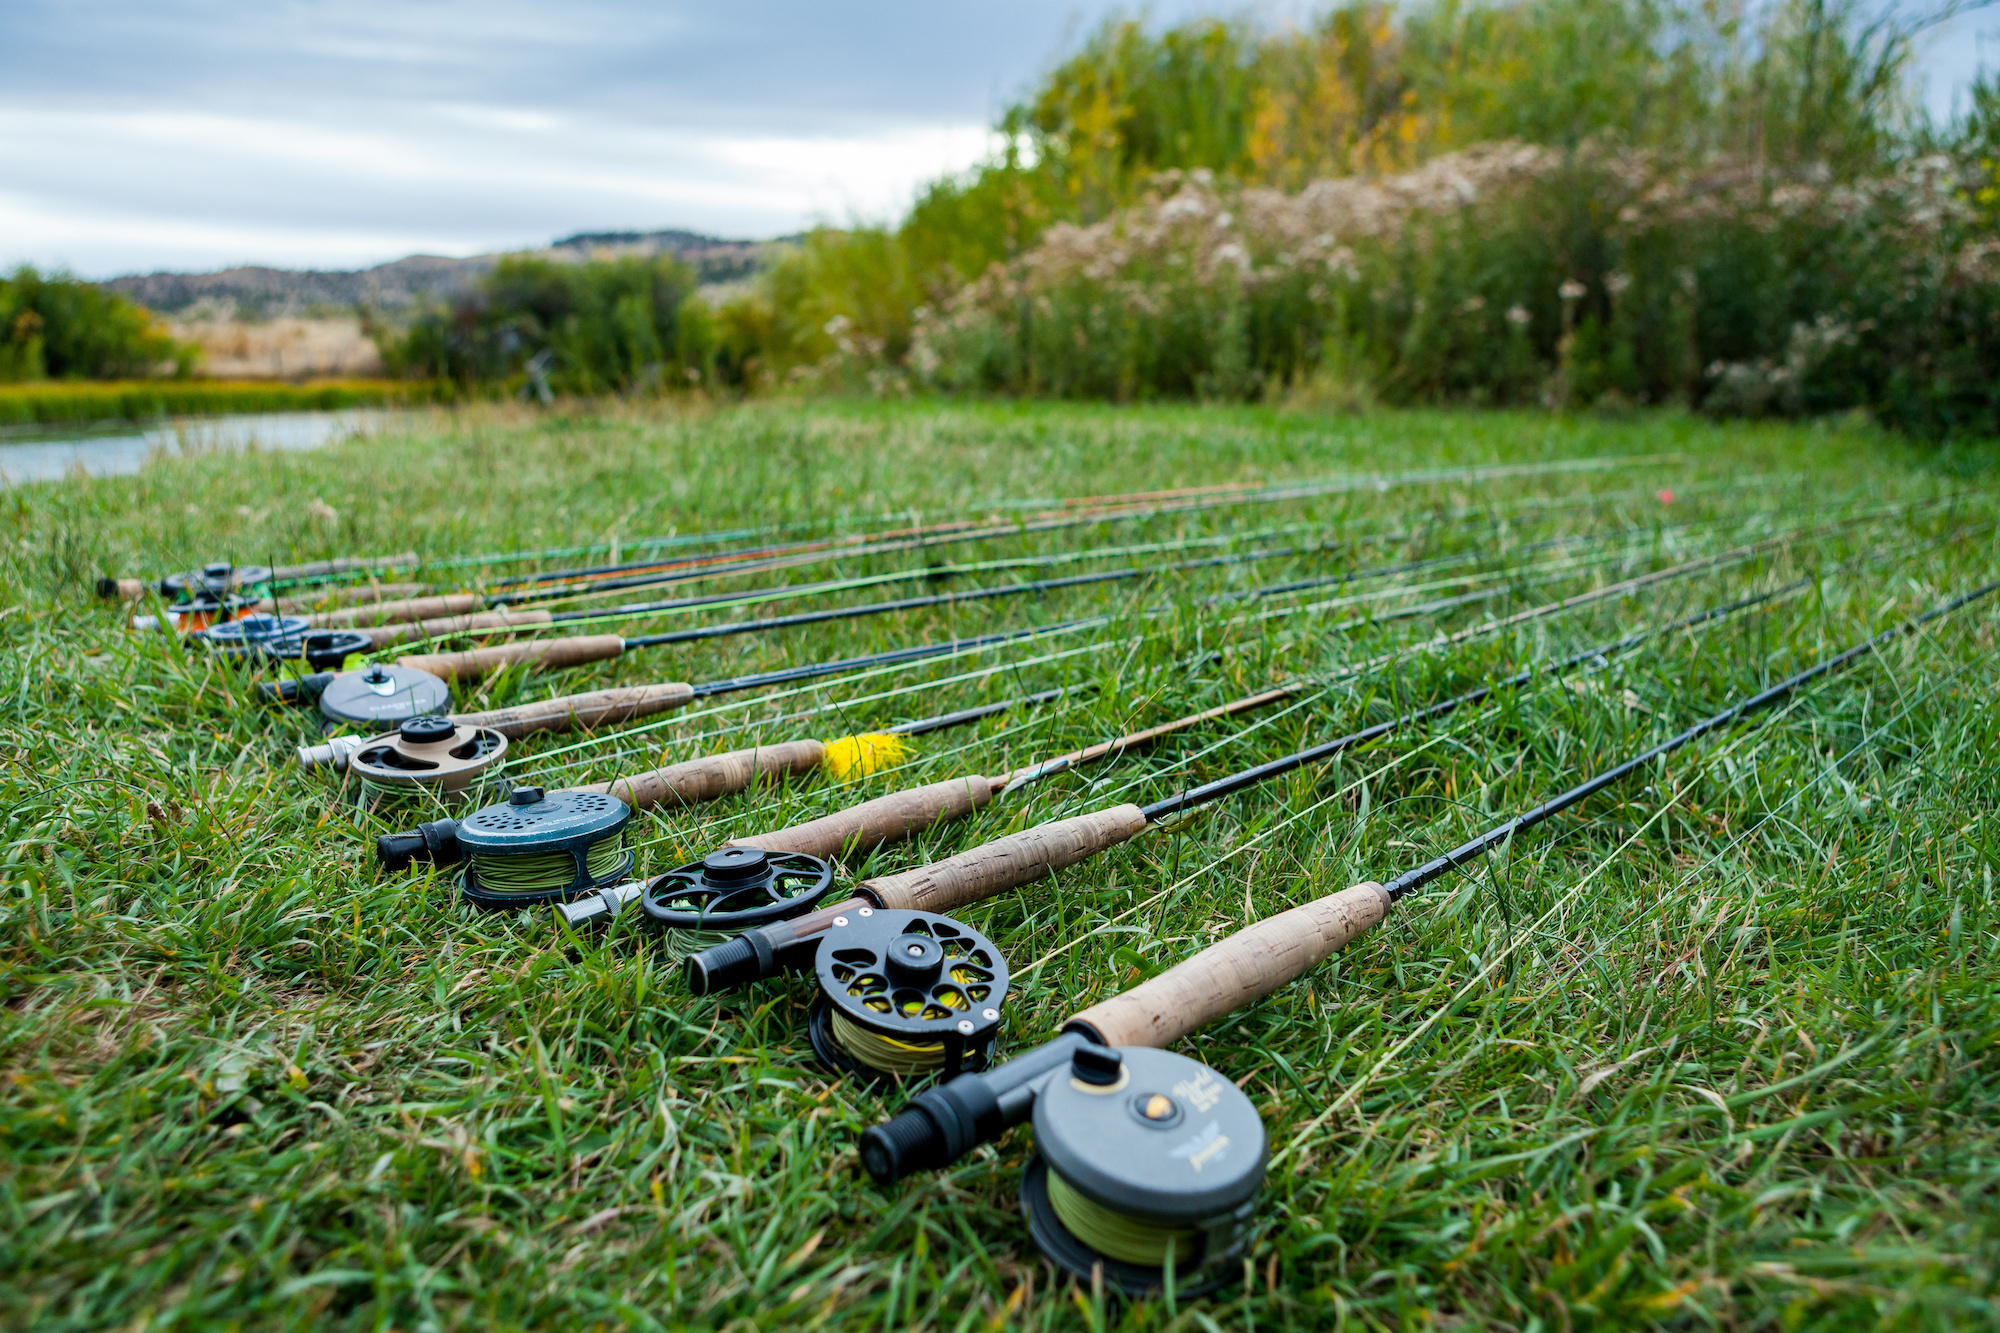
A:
<point x="904" y="994"/>
<point x="540" y="847"/>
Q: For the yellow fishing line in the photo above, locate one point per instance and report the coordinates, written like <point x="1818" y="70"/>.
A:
<point x="863" y="755"/>
<point x="872" y="1050"/>
<point x="1114" y="1235"/>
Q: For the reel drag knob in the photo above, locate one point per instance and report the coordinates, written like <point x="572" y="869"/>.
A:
<point x="1143" y="1156"/>
<point x="379" y="697"/>
<point x="539" y="847"/>
<point x="731" y="890"/>
<point x="904" y="994"/>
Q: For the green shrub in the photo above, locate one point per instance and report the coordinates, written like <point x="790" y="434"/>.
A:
<point x="604" y="326"/>
<point x="53" y="326"/>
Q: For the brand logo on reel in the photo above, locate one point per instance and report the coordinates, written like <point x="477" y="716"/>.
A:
<point x="1205" y="1147"/>
<point x="1201" y="1092"/>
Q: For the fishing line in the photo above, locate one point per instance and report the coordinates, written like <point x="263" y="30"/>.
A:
<point x="1092" y="1128"/>
<point x="1498" y="514"/>
<point x="757" y="561"/>
<point x="1415" y="878"/>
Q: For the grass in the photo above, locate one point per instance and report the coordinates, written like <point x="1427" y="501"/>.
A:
<point x="1730" y="1064"/>
<point x="63" y="401"/>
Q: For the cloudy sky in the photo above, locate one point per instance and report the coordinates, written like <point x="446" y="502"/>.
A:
<point x="190" y="134"/>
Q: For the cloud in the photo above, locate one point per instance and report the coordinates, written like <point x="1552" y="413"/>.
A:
<point x="137" y="136"/>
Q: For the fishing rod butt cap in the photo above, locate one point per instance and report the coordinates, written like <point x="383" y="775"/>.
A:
<point x="334" y="754"/>
<point x="731" y="965"/>
<point x="935" y="1130"/>
<point x="435" y="842"/>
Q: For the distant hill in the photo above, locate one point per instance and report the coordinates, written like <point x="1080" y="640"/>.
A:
<point x="264" y="293"/>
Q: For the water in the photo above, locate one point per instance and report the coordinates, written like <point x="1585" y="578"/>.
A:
<point x="49" y="453"/>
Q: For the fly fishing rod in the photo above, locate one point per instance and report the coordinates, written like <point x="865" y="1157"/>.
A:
<point x="1148" y="1163"/>
<point x="1023" y="858"/>
<point x="416" y="761"/>
<point x="1082" y="513"/>
<point x="226" y="578"/>
<point x="382" y="696"/>
<point x="398" y="761"/>
<point x="439" y="755"/>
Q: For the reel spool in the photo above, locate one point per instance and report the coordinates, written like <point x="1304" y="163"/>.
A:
<point x="540" y="847"/>
<point x="200" y="612"/>
<point x="428" y="755"/>
<point x="903" y="994"/>
<point x="381" y="696"/>
<point x="731" y="890"/>
<point x="249" y="637"/>
<point x="320" y="649"/>
<point x="218" y="579"/>
<point x="1143" y="1156"/>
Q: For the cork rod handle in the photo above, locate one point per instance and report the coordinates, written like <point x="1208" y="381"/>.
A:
<point x="589" y="709"/>
<point x="548" y="654"/>
<point x="1005" y="863"/>
<point x="714" y="776"/>
<point x="409" y="608"/>
<point x="1235" y="971"/>
<point x="381" y="636"/>
<point x="863" y="827"/>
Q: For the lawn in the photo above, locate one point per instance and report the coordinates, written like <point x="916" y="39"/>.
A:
<point x="1714" y="1050"/>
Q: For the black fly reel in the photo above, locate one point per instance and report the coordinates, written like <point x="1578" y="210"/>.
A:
<point x="319" y="649"/>
<point x="219" y="579"/>
<point x="427" y="756"/>
<point x="905" y="994"/>
<point x="731" y="890"/>
<point x="249" y="638"/>
<point x="542" y="847"/>
<point x="1146" y="1159"/>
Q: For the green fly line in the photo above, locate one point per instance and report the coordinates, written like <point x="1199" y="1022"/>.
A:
<point x="1114" y="1235"/>
<point x="544" y="872"/>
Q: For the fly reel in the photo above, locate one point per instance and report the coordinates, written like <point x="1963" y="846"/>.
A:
<point x="903" y="994"/>
<point x="218" y="579"/>
<point x="1145" y="1159"/>
<point x="539" y="847"/>
<point x="249" y="637"/>
<point x="381" y="696"/>
<point x="427" y="755"/>
<point x="320" y="649"/>
<point x="731" y="890"/>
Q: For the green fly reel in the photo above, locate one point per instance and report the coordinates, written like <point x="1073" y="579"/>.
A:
<point x="1147" y="1171"/>
<point x="542" y="847"/>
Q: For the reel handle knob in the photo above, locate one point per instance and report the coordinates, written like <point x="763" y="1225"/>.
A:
<point x="435" y="842"/>
<point x="296" y="690"/>
<point x="730" y="965"/>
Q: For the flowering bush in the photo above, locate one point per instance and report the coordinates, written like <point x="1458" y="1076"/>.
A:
<point x="1511" y="273"/>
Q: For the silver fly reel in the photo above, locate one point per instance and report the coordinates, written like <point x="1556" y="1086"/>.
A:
<point x="431" y="754"/>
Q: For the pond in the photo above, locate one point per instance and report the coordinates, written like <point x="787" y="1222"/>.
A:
<point x="49" y="453"/>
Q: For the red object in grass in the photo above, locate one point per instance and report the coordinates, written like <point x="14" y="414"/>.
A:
<point x="1666" y="497"/>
